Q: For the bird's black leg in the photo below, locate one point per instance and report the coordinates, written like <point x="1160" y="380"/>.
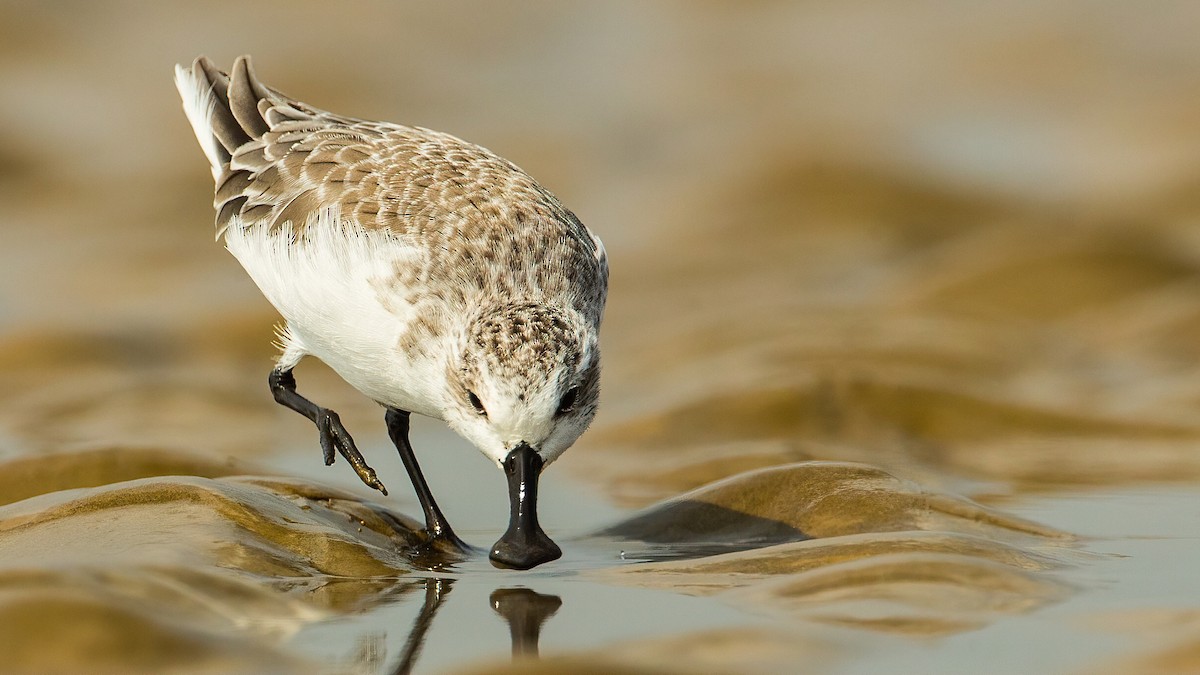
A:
<point x="334" y="437"/>
<point x="435" y="523"/>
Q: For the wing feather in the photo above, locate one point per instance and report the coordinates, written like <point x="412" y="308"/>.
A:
<point x="278" y="163"/>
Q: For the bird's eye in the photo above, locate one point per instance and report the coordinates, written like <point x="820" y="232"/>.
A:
<point x="567" y="403"/>
<point x="476" y="403"/>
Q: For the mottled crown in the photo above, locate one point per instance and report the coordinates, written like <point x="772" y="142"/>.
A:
<point x="527" y="373"/>
<point x="523" y="342"/>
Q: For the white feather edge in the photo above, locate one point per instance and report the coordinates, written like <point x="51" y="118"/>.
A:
<point x="198" y="104"/>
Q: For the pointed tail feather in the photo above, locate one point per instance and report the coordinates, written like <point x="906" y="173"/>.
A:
<point x="224" y="111"/>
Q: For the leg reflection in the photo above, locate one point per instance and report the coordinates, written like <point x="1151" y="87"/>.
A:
<point x="436" y="591"/>
<point x="525" y="611"/>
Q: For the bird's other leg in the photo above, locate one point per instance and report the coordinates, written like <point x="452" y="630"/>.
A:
<point x="334" y="437"/>
<point x="435" y="523"/>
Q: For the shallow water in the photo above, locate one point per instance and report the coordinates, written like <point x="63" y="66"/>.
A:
<point x="901" y="365"/>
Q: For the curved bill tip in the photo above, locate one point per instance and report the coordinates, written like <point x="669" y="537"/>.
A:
<point x="524" y="545"/>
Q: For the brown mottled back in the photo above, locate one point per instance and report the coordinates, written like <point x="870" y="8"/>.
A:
<point x="283" y="162"/>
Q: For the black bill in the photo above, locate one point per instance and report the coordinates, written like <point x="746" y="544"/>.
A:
<point x="524" y="545"/>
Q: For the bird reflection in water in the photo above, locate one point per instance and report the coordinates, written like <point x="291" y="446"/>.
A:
<point x="524" y="610"/>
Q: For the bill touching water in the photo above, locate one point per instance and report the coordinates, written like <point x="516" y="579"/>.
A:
<point x="901" y="361"/>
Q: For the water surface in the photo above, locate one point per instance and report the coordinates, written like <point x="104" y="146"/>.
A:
<point x="901" y="365"/>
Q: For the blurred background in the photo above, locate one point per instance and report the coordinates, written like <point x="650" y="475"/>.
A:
<point x="959" y="242"/>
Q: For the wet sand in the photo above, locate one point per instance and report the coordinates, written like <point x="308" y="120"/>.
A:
<point x="901" y="364"/>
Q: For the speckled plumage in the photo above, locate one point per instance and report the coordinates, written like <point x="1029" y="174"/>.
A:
<point x="421" y="267"/>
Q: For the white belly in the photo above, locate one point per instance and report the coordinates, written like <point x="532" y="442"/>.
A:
<point x="324" y="288"/>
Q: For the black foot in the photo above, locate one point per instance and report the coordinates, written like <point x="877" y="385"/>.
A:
<point x="334" y="438"/>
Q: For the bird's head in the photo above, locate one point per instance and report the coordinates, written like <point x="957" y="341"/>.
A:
<point x="524" y="386"/>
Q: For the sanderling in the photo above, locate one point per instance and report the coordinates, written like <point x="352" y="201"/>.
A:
<point x="432" y="275"/>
